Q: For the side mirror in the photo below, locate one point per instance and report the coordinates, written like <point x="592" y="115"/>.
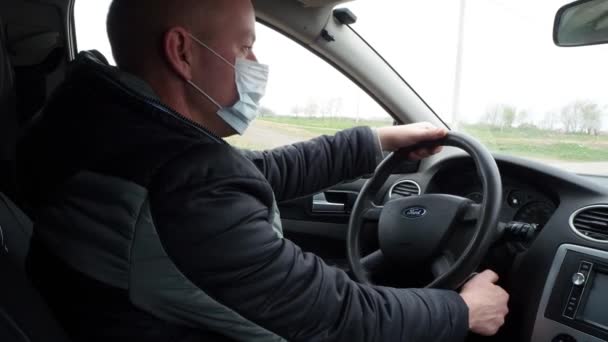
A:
<point x="583" y="22"/>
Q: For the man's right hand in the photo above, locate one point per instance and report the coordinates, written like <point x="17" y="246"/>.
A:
<point x="487" y="303"/>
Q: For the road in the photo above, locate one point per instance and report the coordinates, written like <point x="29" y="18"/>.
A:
<point x="263" y="135"/>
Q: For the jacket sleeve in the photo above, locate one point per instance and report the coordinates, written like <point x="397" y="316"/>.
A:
<point x="215" y="225"/>
<point x="308" y="167"/>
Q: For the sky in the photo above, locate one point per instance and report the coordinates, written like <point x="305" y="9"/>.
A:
<point x="508" y="57"/>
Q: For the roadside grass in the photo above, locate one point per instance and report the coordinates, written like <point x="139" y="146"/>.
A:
<point x="488" y="132"/>
<point x="537" y="143"/>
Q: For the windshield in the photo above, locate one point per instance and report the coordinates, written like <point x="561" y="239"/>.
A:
<point x="489" y="68"/>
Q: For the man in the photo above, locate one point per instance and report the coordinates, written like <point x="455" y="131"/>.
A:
<point x="151" y="228"/>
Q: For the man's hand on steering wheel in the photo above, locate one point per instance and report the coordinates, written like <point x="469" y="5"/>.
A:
<point x="393" y="138"/>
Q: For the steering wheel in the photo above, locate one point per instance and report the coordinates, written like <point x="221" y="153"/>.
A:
<point x="444" y="233"/>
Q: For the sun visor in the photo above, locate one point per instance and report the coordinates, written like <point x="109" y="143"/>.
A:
<point x="322" y="3"/>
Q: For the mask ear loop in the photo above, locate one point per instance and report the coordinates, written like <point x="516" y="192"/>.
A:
<point x="205" y="94"/>
<point x="211" y="50"/>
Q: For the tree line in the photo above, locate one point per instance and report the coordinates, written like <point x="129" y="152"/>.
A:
<point x="582" y="117"/>
<point x="313" y="108"/>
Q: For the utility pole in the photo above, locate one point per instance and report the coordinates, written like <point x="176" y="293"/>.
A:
<point x="458" y="75"/>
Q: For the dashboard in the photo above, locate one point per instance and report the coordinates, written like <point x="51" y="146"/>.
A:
<point x="522" y="201"/>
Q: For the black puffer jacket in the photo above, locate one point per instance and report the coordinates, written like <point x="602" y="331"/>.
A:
<point x="149" y="228"/>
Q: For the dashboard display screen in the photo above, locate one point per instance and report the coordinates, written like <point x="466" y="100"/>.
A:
<point x="594" y="311"/>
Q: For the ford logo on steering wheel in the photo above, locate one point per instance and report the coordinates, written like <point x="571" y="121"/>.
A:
<point x="414" y="212"/>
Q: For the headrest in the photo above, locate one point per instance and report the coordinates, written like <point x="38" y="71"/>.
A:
<point x="36" y="56"/>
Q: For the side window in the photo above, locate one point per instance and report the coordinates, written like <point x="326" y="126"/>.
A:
<point x="306" y="97"/>
<point x="90" y="21"/>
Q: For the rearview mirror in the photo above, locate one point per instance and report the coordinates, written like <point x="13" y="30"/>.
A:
<point x="583" y="22"/>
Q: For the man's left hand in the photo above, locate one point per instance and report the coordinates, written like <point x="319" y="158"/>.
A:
<point x="394" y="138"/>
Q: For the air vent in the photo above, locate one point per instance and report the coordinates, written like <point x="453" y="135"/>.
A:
<point x="591" y="223"/>
<point x="404" y="188"/>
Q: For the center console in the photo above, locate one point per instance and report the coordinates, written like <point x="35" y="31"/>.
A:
<point x="574" y="304"/>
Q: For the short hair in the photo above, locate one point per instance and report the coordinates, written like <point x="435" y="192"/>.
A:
<point x="131" y="27"/>
<point x="136" y="27"/>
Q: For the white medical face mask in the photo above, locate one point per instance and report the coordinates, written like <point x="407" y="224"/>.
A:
<point x="251" y="79"/>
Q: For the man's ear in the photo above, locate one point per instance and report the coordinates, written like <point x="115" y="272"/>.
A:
<point x="177" y="49"/>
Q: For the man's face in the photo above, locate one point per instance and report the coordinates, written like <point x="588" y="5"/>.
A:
<point x="232" y="35"/>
